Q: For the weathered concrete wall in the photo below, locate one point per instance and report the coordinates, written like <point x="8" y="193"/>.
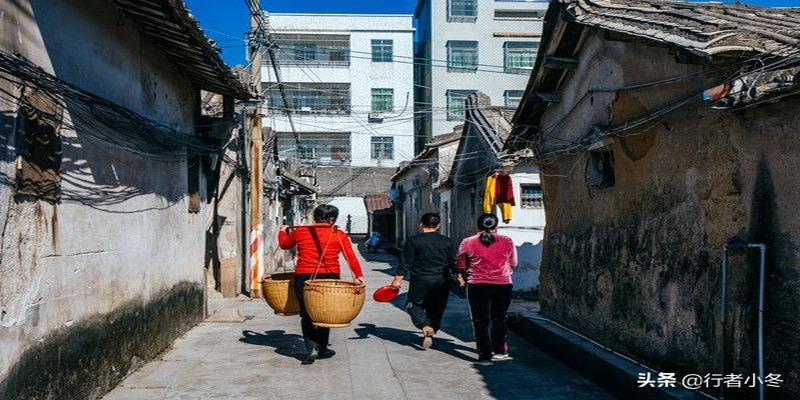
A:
<point x="114" y="272"/>
<point x="637" y="265"/>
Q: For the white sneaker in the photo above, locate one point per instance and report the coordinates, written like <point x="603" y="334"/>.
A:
<point x="501" y="357"/>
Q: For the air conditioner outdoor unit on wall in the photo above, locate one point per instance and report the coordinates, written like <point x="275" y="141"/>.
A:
<point x="375" y="117"/>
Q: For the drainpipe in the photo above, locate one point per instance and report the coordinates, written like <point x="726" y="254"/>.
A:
<point x="734" y="245"/>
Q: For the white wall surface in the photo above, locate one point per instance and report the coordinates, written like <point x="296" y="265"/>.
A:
<point x="353" y="207"/>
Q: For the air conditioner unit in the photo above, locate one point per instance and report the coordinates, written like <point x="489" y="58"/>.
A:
<point x="375" y="117"/>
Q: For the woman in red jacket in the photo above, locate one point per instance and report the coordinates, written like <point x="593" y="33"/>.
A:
<point x="488" y="260"/>
<point x="318" y="248"/>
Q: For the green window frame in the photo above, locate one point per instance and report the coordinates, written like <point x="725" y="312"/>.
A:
<point x="462" y="56"/>
<point x="519" y="57"/>
<point x="513" y="97"/>
<point x="455" y="103"/>
<point x="382" y="50"/>
<point x="382" y="148"/>
<point x="382" y="100"/>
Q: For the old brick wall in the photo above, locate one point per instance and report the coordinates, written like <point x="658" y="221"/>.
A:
<point x="636" y="266"/>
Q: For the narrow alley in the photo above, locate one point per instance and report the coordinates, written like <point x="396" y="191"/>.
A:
<point x="378" y="357"/>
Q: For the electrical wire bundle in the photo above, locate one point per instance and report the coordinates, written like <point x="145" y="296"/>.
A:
<point x="96" y="118"/>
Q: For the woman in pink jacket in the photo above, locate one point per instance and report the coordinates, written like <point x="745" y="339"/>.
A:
<point x="487" y="260"/>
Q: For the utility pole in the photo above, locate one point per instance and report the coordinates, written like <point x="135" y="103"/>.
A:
<point x="256" y="160"/>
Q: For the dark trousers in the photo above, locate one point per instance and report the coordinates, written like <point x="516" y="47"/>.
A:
<point x="488" y="305"/>
<point x="312" y="335"/>
<point x="427" y="299"/>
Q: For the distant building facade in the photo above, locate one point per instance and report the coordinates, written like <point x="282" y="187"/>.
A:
<point x="348" y="81"/>
<point x="469" y="45"/>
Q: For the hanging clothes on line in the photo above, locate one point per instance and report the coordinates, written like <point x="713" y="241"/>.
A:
<point x="504" y="195"/>
<point x="499" y="191"/>
<point x="489" y="195"/>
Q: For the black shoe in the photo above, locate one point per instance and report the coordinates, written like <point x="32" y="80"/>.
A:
<point x="326" y="353"/>
<point x="484" y="360"/>
<point x="312" y="356"/>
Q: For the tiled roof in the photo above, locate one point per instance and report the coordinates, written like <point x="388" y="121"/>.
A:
<point x="703" y="28"/>
<point x="377" y="202"/>
<point x="170" y="26"/>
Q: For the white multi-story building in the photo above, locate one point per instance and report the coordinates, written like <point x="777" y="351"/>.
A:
<point x="349" y="84"/>
<point x="468" y="45"/>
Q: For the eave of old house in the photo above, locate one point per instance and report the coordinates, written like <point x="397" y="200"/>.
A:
<point x="492" y="127"/>
<point x="170" y="26"/>
<point x="704" y="33"/>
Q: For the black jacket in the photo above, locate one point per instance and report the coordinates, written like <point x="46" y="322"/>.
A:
<point x="428" y="255"/>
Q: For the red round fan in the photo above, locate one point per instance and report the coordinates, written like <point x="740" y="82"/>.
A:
<point x="385" y="293"/>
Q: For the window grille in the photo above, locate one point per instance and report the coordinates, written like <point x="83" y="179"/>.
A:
<point x="382" y="100"/>
<point x="531" y="196"/>
<point x="455" y="103"/>
<point x="321" y="148"/>
<point x="519" y="57"/>
<point x="512" y="97"/>
<point x="382" y="148"/>
<point x="311" y="50"/>
<point x="382" y="50"/>
<point x="316" y="98"/>
<point x="462" y="10"/>
<point x="462" y="56"/>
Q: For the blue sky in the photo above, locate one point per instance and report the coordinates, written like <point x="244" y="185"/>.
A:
<point x="226" y="21"/>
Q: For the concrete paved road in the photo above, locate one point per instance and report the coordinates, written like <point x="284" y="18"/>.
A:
<point x="378" y="357"/>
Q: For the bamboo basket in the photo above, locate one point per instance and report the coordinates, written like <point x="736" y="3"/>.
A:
<point x="333" y="303"/>
<point x="278" y="291"/>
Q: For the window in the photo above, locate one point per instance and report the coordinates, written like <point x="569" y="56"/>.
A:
<point x="322" y="148"/>
<point x="318" y="98"/>
<point x="462" y="10"/>
<point x="455" y="103"/>
<point x="518" y="15"/>
<point x="382" y="100"/>
<point x="311" y="50"/>
<point x="519" y="56"/>
<point x="462" y="56"/>
<point x="382" y="148"/>
<point x="531" y="196"/>
<point x="513" y="97"/>
<point x="600" y="169"/>
<point x="382" y="50"/>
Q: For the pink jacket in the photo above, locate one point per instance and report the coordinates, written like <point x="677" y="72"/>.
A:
<point x="491" y="264"/>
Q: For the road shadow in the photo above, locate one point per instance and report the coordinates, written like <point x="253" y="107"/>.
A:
<point x="412" y="339"/>
<point x="287" y="345"/>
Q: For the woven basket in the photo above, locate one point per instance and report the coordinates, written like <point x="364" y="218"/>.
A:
<point x="278" y="291"/>
<point x="333" y="303"/>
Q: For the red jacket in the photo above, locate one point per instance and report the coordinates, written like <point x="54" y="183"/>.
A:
<point x="329" y="239"/>
<point x="504" y="189"/>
